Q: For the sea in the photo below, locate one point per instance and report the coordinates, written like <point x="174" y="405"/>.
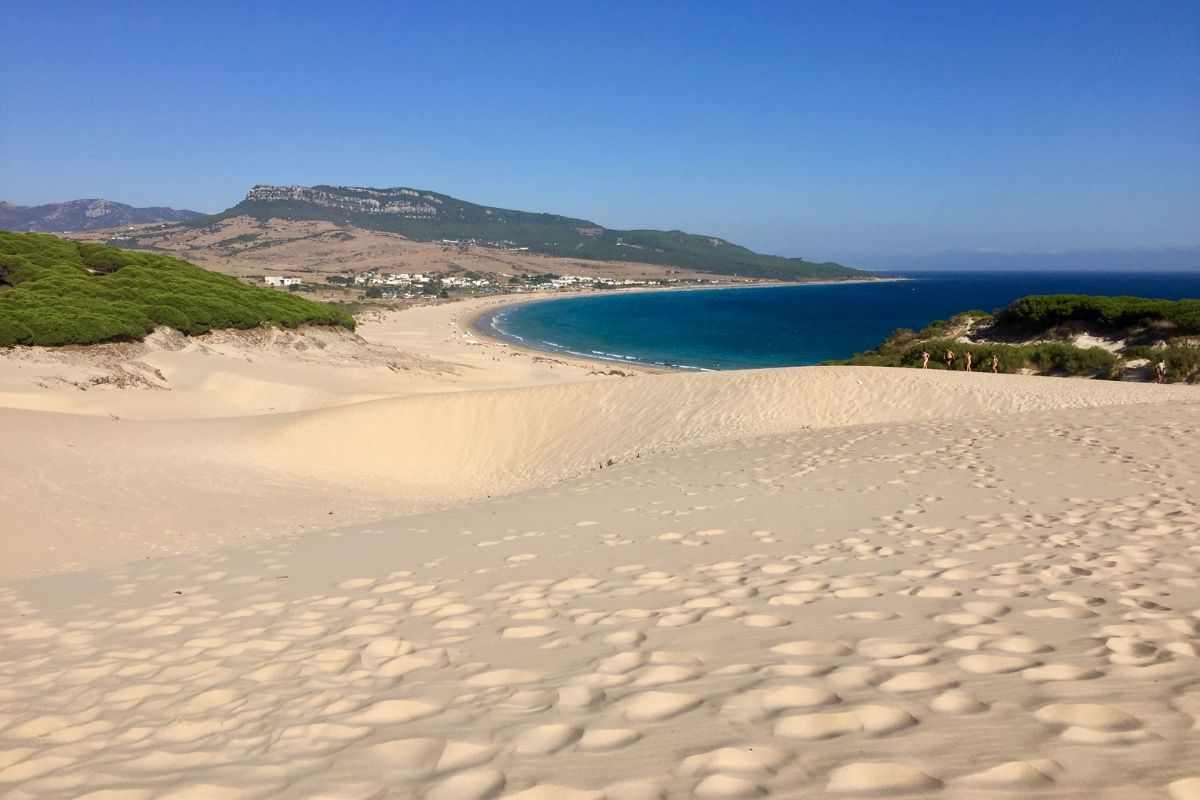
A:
<point x="793" y="325"/>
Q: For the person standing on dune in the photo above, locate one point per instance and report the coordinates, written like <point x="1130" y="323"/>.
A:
<point x="1160" y="372"/>
<point x="968" y="356"/>
<point x="949" y="359"/>
<point x="995" y="363"/>
<point x="924" y="359"/>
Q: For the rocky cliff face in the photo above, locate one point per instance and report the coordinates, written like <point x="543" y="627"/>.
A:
<point x="408" y="203"/>
<point x="83" y="215"/>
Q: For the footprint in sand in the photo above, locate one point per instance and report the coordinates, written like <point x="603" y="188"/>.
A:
<point x="731" y="787"/>
<point x="873" y="720"/>
<point x="502" y="677"/>
<point x="813" y="648"/>
<point x="880" y="778"/>
<point x="479" y="784"/>
<point x="908" y="682"/>
<point x="526" y="632"/>
<point x="1091" y="723"/>
<point x="605" y="739"/>
<point x="1060" y="672"/>
<point x="1015" y="776"/>
<point x="545" y="740"/>
<point x="957" y="701"/>
<point x="417" y="759"/>
<point x="654" y="706"/>
<point x="665" y="674"/>
<point x="393" y="712"/>
<point x="989" y="664"/>
<point x="789" y="697"/>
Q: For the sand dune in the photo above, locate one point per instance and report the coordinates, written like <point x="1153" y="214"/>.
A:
<point x="293" y="571"/>
<point x="1003" y="605"/>
<point x="422" y="350"/>
<point x="119" y="483"/>
<point x="467" y="444"/>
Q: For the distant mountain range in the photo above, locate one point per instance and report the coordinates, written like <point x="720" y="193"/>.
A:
<point x="424" y="215"/>
<point x="1160" y="259"/>
<point x="85" y="215"/>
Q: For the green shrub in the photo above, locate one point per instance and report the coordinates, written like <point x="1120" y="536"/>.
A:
<point x="1183" y="364"/>
<point x="62" y="292"/>
<point x="1067" y="359"/>
<point x="1049" y="316"/>
<point x="1038" y="313"/>
<point x="1183" y="360"/>
<point x="169" y="316"/>
<point x="1056" y="357"/>
<point x="13" y="332"/>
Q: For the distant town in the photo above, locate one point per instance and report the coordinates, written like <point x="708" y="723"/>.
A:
<point x="381" y="285"/>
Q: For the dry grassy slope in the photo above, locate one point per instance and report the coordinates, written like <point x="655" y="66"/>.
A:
<point x="244" y="246"/>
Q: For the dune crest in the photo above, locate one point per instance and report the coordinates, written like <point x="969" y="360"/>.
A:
<point x="213" y="481"/>
<point x="463" y="444"/>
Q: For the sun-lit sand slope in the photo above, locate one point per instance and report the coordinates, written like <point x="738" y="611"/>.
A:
<point x="237" y="373"/>
<point x="456" y="446"/>
<point x="1005" y="605"/>
<point x="125" y="489"/>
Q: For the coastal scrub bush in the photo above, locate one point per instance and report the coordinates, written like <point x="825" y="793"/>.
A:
<point x="1183" y="360"/>
<point x="1052" y="357"/>
<point x="1066" y="359"/>
<point x="1183" y="363"/>
<point x="13" y="332"/>
<point x="1038" y="313"/>
<point x="1051" y="318"/>
<point x="59" y="292"/>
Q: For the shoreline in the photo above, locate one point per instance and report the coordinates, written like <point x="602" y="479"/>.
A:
<point x="482" y="322"/>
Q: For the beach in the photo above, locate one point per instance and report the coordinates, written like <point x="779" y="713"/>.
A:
<point x="418" y="562"/>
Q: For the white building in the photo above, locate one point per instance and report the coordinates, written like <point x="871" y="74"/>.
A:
<point x="280" y="280"/>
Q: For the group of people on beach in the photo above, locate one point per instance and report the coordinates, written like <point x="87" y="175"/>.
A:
<point x="1160" y="368"/>
<point x="968" y="360"/>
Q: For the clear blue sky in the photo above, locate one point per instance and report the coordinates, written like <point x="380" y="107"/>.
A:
<point x="825" y="130"/>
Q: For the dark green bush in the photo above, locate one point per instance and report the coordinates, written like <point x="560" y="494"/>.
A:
<point x="13" y="332"/>
<point x="1056" y="357"/>
<point x="1183" y="360"/>
<point x="1183" y="364"/>
<point x="1067" y="359"/>
<point x="1055" y="317"/>
<point x="63" y="292"/>
<point x="1037" y="313"/>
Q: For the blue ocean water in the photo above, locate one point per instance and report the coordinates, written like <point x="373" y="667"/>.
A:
<point x="782" y="326"/>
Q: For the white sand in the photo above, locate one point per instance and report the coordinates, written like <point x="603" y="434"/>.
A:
<point x="825" y="582"/>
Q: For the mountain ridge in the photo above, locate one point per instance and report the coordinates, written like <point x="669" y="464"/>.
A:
<point x="425" y="215"/>
<point x="86" y="214"/>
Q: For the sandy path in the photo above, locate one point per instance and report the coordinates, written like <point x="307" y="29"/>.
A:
<point x="999" y="606"/>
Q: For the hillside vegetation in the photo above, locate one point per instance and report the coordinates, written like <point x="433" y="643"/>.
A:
<point x="1123" y="316"/>
<point x="57" y="292"/>
<point x="1046" y="334"/>
<point x="425" y="216"/>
